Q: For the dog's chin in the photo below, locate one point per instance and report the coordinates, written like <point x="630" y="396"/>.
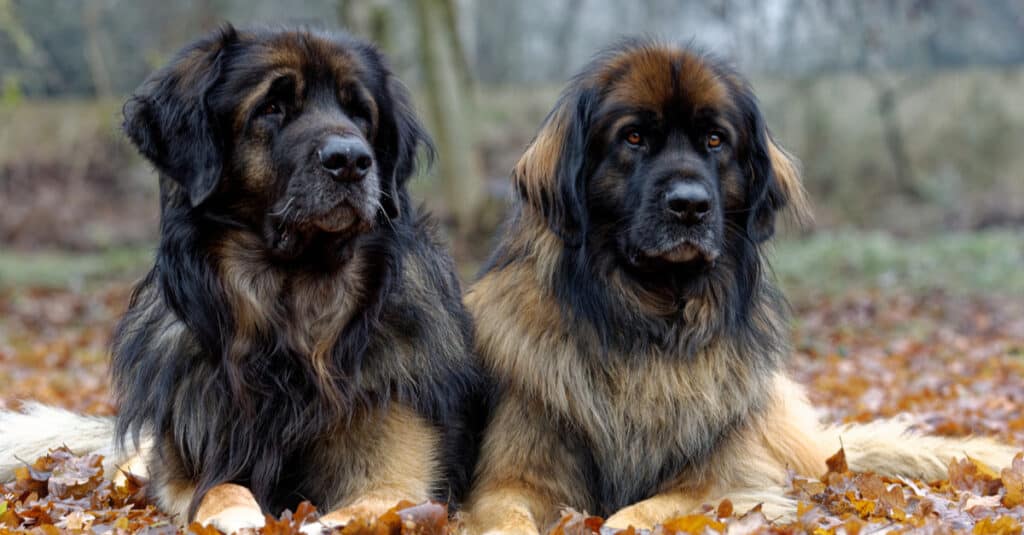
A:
<point x="341" y="220"/>
<point x="289" y="239"/>
<point x="684" y="254"/>
<point x="672" y="269"/>
<point x="687" y="252"/>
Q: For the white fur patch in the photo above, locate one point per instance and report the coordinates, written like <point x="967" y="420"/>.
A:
<point x="39" y="428"/>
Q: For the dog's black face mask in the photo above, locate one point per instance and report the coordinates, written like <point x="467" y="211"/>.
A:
<point x="302" y="138"/>
<point x="667" y="177"/>
<point x="307" y="144"/>
<point x="659" y="158"/>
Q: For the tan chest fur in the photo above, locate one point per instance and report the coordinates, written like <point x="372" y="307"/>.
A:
<point x="392" y="452"/>
<point x="313" y="308"/>
<point x="636" y="415"/>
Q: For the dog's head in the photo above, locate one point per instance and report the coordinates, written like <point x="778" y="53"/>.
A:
<point x="658" y="156"/>
<point x="293" y="134"/>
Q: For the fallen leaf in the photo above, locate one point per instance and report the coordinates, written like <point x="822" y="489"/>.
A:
<point x="837" y="463"/>
<point x="1013" y="482"/>
<point x="725" y="509"/>
<point x="1004" y="525"/>
<point x="970" y="475"/>
<point x="692" y="524"/>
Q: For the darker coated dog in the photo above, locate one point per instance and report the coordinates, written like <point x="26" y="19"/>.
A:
<point x="301" y="335"/>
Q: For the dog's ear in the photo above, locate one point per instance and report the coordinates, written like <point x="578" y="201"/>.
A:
<point x="401" y="136"/>
<point x="773" y="175"/>
<point x="170" y="122"/>
<point x="551" y="175"/>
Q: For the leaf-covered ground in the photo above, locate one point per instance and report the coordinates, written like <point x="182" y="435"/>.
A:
<point x="955" y="363"/>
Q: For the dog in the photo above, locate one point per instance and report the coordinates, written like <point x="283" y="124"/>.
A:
<point x="301" y="335"/>
<point x="628" y="319"/>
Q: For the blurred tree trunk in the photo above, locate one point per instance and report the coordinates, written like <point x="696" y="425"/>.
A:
<point x="888" y="97"/>
<point x="451" y="110"/>
<point x="455" y="44"/>
<point x="872" y="66"/>
<point x="33" y="57"/>
<point x="94" y="57"/>
<point x="12" y="28"/>
<point x="369" y="19"/>
<point x="498" y="47"/>
<point x="563" y="39"/>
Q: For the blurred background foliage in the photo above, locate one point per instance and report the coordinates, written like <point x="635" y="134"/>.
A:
<point x="907" y="115"/>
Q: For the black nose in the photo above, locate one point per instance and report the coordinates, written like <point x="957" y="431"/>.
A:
<point x="345" y="158"/>
<point x="687" y="201"/>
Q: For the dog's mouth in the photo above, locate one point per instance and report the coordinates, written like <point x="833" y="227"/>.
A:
<point x="340" y="219"/>
<point x="675" y="268"/>
<point x="685" y="258"/>
<point x="290" y="232"/>
<point x="685" y="251"/>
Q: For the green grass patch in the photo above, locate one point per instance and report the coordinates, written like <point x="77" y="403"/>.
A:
<point x="836" y="262"/>
<point x="60" y="269"/>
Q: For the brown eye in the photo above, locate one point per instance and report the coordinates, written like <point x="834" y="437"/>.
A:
<point x="270" y="108"/>
<point x="714" y="141"/>
<point x="633" y="137"/>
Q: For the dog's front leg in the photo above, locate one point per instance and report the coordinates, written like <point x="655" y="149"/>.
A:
<point x="511" y="508"/>
<point x="661" y="508"/>
<point x="751" y="467"/>
<point x="394" y="459"/>
<point x="369" y="507"/>
<point x="526" y="473"/>
<point x="655" y="510"/>
<point x="230" y="508"/>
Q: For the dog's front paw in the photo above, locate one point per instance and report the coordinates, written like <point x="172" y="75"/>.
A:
<point x="503" y="522"/>
<point x="235" y="519"/>
<point x="637" y="516"/>
<point x="509" y="529"/>
<point x="366" y="512"/>
<point x="318" y="527"/>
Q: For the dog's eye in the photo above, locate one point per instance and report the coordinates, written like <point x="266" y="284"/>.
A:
<point x="361" y="118"/>
<point x="634" y="137"/>
<point x="270" y="108"/>
<point x="714" y="141"/>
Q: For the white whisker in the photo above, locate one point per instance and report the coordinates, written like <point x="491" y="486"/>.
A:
<point x="284" y="210"/>
<point x="380" y="206"/>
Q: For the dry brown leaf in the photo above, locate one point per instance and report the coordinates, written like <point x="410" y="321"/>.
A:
<point x="1004" y="525"/>
<point x="74" y="477"/>
<point x="971" y="475"/>
<point x="837" y="463"/>
<point x="196" y="528"/>
<point x="725" y="509"/>
<point x="691" y="524"/>
<point x="575" y="523"/>
<point x="1013" y="482"/>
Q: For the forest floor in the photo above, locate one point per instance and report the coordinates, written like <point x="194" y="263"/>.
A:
<point x="933" y="329"/>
